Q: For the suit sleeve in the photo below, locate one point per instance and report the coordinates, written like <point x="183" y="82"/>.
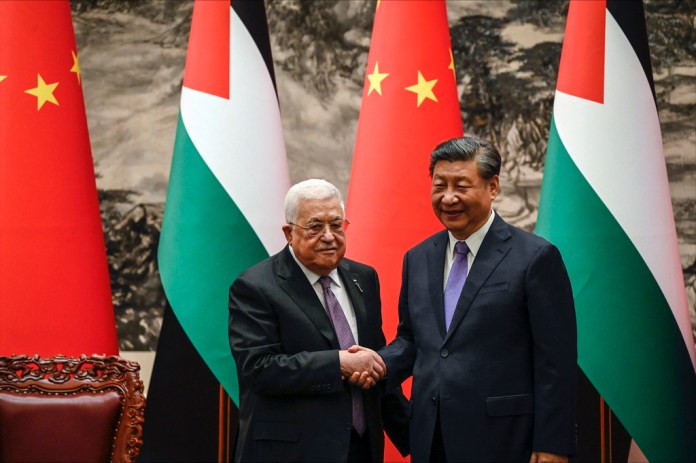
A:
<point x="257" y="349"/>
<point x="395" y="407"/>
<point x="554" y="333"/>
<point x="396" y="413"/>
<point x="400" y="354"/>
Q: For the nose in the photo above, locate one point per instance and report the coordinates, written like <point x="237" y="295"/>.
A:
<point x="450" y="197"/>
<point x="326" y="235"/>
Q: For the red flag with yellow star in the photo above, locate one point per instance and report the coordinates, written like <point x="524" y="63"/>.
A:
<point x="54" y="282"/>
<point x="409" y="105"/>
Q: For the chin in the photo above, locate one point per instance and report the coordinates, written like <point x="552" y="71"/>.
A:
<point x="453" y="226"/>
<point x="458" y="231"/>
<point x="328" y="266"/>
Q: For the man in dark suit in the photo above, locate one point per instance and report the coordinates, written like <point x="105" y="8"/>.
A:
<point x="494" y="363"/>
<point x="292" y="319"/>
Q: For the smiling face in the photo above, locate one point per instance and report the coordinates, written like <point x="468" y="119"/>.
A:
<point x="320" y="254"/>
<point x="461" y="198"/>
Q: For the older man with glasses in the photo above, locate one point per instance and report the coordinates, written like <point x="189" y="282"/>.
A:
<point x="303" y="395"/>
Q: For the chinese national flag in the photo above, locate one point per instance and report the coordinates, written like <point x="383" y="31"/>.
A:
<point x="409" y="105"/>
<point x="54" y="282"/>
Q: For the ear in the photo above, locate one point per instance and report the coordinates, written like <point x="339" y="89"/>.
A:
<point x="494" y="186"/>
<point x="287" y="231"/>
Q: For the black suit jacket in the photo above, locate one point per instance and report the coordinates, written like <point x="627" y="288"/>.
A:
<point x="294" y="406"/>
<point x="503" y="378"/>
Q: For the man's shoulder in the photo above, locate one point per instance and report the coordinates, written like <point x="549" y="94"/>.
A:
<point x="356" y="267"/>
<point x="428" y="243"/>
<point x="261" y="270"/>
<point x="527" y="242"/>
<point x="527" y="237"/>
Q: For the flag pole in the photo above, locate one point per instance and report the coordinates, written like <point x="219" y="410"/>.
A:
<point x="606" y="432"/>
<point x="224" y="427"/>
<point x="602" y="436"/>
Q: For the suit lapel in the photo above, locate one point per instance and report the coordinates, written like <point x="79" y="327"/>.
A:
<point x="493" y="248"/>
<point x="436" y="271"/>
<point x="352" y="283"/>
<point x="297" y="287"/>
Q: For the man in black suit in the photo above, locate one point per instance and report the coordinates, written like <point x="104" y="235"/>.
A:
<point x="292" y="319"/>
<point x="494" y="363"/>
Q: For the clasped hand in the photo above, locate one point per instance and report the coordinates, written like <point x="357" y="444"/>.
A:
<point x="361" y="366"/>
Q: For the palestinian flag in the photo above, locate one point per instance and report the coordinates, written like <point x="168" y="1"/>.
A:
<point x="605" y="202"/>
<point x="224" y="206"/>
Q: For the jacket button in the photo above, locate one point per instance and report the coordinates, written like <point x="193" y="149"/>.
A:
<point x="433" y="399"/>
<point x="349" y="427"/>
<point x="444" y="353"/>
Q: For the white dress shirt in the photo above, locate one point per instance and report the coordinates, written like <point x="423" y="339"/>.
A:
<point x="473" y="241"/>
<point x="337" y="288"/>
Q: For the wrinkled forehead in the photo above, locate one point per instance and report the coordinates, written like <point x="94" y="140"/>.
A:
<point x="456" y="170"/>
<point x="320" y="210"/>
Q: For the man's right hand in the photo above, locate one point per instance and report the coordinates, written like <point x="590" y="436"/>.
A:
<point x="361" y="366"/>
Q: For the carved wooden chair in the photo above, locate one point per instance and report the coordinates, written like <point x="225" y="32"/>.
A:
<point x="61" y="409"/>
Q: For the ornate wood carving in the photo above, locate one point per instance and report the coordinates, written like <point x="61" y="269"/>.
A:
<point x="69" y="375"/>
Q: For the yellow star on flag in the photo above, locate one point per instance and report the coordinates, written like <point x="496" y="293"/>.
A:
<point x="76" y="67"/>
<point x="424" y="89"/>
<point x="43" y="92"/>
<point x="451" y="65"/>
<point x="376" y="80"/>
<point x="2" y="78"/>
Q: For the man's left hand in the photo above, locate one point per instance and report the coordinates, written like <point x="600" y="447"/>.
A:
<point x="545" y="457"/>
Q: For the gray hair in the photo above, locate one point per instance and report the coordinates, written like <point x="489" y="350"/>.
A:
<point x="314" y="188"/>
<point x="483" y="152"/>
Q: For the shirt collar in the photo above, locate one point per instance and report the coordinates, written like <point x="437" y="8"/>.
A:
<point x="313" y="277"/>
<point x="475" y="239"/>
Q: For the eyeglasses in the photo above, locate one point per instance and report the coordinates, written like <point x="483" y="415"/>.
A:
<point x="315" y="229"/>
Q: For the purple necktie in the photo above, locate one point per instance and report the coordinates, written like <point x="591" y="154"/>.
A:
<point x="455" y="281"/>
<point x="345" y="340"/>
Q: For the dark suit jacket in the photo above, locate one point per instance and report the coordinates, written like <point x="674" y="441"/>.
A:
<point x="503" y="378"/>
<point x="294" y="406"/>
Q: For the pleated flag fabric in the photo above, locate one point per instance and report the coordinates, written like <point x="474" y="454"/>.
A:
<point x="605" y="202"/>
<point x="55" y="296"/>
<point x="409" y="105"/>
<point x="224" y="206"/>
<point x="228" y="180"/>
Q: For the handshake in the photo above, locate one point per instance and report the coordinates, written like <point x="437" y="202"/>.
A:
<point x="362" y="366"/>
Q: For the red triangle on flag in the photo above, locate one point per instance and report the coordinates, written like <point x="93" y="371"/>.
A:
<point x="208" y="59"/>
<point x="581" y="72"/>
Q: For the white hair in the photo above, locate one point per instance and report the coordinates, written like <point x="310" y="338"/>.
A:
<point x="314" y="188"/>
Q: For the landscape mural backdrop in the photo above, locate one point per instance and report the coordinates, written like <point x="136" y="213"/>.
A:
<point x="132" y="55"/>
